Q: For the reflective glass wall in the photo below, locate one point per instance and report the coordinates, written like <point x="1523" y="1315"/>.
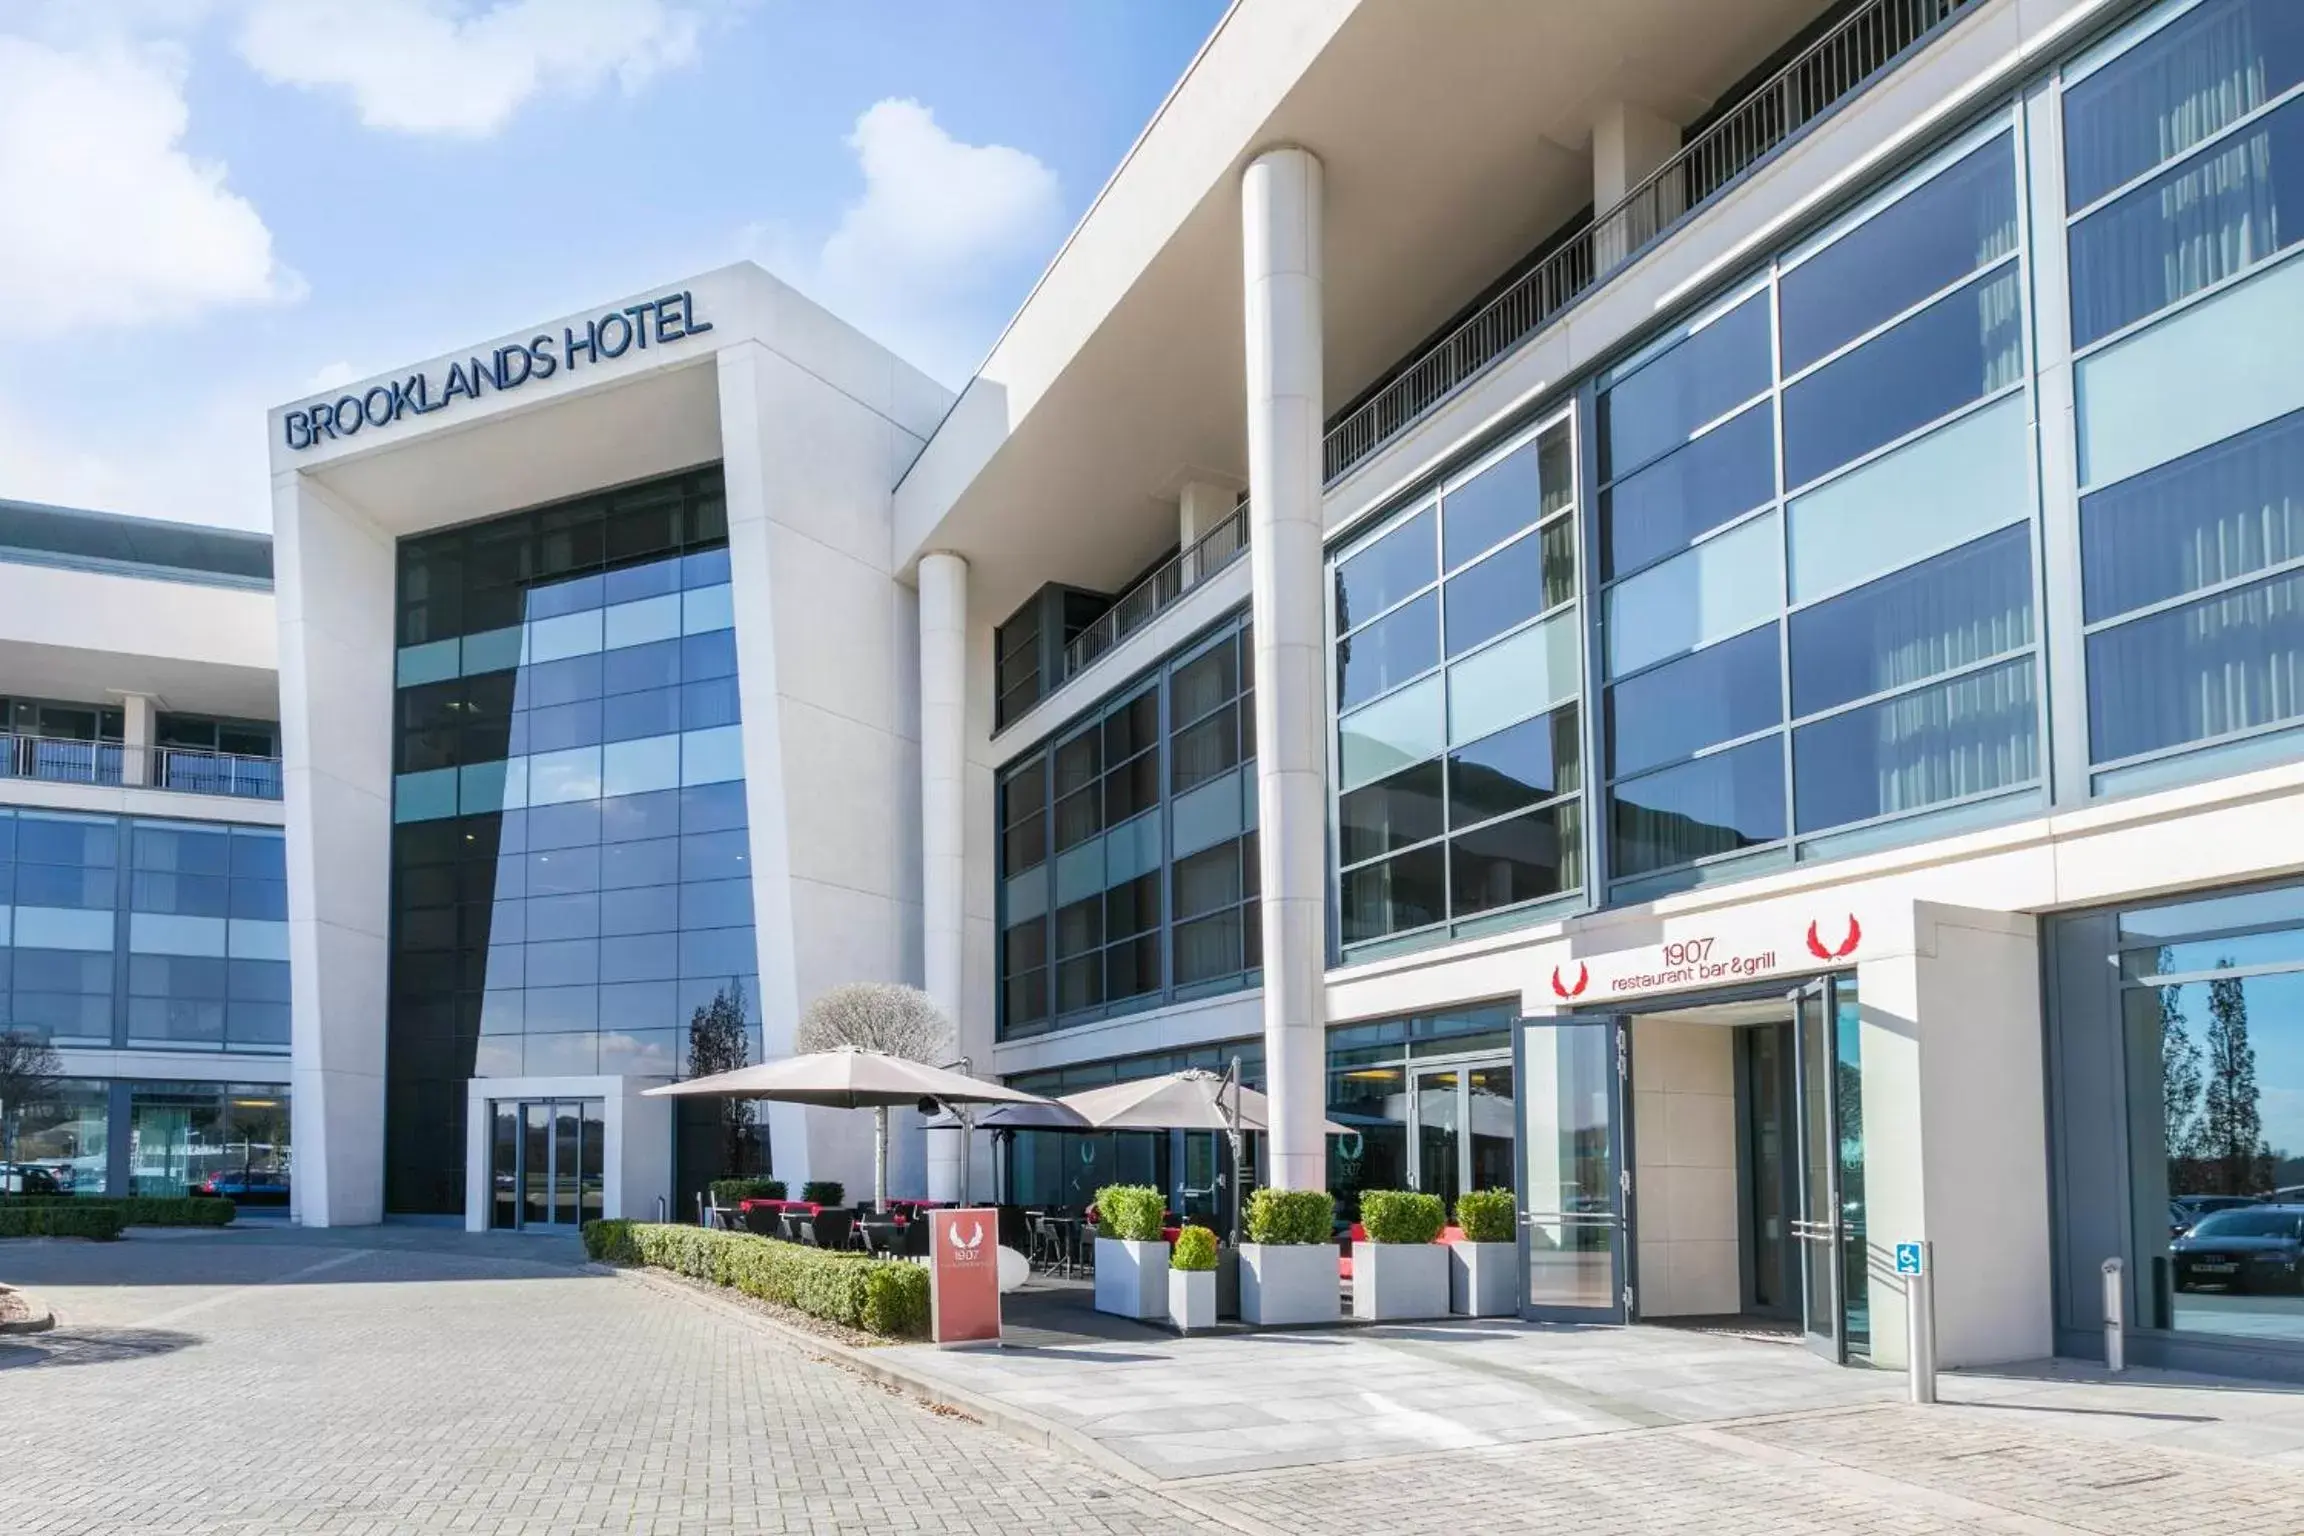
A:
<point x="571" y="867"/>
<point x="1063" y="1171"/>
<point x="1128" y="847"/>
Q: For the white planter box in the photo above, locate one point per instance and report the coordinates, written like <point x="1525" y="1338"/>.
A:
<point x="1132" y="1278"/>
<point x="1484" y="1279"/>
<point x="1394" y="1281"/>
<point x="1192" y="1299"/>
<point x="1288" y="1283"/>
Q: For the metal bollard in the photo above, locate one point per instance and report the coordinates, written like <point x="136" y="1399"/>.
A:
<point x="2115" y="1312"/>
<point x="1920" y="1327"/>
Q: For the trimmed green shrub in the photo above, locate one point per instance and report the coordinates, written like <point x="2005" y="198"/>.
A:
<point x="823" y="1192"/>
<point x="63" y="1218"/>
<point x="143" y="1210"/>
<point x="888" y="1297"/>
<point x="1401" y="1215"/>
<point x="731" y="1191"/>
<point x="1132" y="1213"/>
<point x="1290" y="1216"/>
<point x="1487" y="1215"/>
<point x="1194" y="1249"/>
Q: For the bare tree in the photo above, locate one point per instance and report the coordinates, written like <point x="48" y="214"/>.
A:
<point x="29" y="1068"/>
<point x="883" y="1016"/>
<point x="718" y="1041"/>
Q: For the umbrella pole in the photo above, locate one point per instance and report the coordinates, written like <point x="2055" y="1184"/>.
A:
<point x="880" y="1159"/>
<point x="1232" y="1135"/>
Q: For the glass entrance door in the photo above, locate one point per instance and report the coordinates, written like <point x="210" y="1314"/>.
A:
<point x="546" y="1163"/>
<point x="1439" y="1139"/>
<point x="1834" y="1260"/>
<point x="1575" y="1197"/>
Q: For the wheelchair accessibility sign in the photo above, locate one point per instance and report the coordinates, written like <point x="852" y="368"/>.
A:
<point x="1909" y="1259"/>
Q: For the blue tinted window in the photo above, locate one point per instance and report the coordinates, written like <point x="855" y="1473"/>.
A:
<point x="634" y="716"/>
<point x="1940" y="615"/>
<point x="564" y="726"/>
<point x="2212" y="516"/>
<point x="1523" y="859"/>
<point x="1378" y="818"/>
<point x="655" y="665"/>
<point x="1408" y="890"/>
<point x="1517" y="766"/>
<point x="2175" y="88"/>
<point x="1725" y="691"/>
<point x="1533" y="480"/>
<point x="1962" y="218"/>
<point x="1700" y="380"/>
<point x="1403" y="644"/>
<point x="2221" y="213"/>
<point x="1966" y="737"/>
<point x="560" y="682"/>
<point x="709" y="703"/>
<point x="1517" y="582"/>
<point x="1385" y="572"/>
<point x="1714" y="805"/>
<point x="1729" y="470"/>
<point x="260" y="856"/>
<point x="712" y="807"/>
<point x="2224" y="664"/>
<point x="648" y="909"/>
<point x="711" y="654"/>
<point x="1961" y="348"/>
<point x="57" y="840"/>
<point x="627" y="865"/>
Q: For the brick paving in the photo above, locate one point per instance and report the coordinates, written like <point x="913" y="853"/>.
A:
<point x="372" y="1383"/>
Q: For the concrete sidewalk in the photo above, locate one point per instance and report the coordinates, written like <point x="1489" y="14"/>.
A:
<point x="1210" y="1407"/>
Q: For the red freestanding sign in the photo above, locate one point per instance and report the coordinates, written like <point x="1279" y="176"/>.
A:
<point x="964" y="1276"/>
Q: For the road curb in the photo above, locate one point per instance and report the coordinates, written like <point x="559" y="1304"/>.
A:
<point x="1016" y="1423"/>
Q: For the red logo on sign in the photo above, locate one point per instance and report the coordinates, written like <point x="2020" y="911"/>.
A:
<point x="963" y="1276"/>
<point x="1847" y="945"/>
<point x="1583" y="978"/>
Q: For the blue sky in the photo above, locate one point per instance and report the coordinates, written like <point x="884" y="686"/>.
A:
<point x="208" y="207"/>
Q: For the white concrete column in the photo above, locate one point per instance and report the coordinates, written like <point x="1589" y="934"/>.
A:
<point x="943" y="816"/>
<point x="138" y="725"/>
<point x="1199" y="508"/>
<point x="1281" y="233"/>
<point x="1628" y="142"/>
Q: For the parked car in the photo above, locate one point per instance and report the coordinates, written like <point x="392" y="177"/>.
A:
<point x="248" y="1186"/>
<point x="2258" y="1248"/>
<point x="2185" y="1211"/>
<point x="28" y="1179"/>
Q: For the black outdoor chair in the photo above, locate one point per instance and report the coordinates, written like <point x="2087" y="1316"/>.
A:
<point x="916" y="1237"/>
<point x="831" y="1228"/>
<point x="880" y="1236"/>
<point x="1015" y="1228"/>
<point x="761" y="1222"/>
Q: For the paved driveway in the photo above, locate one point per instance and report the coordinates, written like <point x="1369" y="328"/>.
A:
<point x="403" y="1380"/>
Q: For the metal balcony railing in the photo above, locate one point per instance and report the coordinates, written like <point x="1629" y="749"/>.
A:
<point x="185" y="770"/>
<point x="1140" y="604"/>
<point x="1837" y="65"/>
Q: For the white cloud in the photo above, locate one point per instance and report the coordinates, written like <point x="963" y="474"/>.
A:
<point x="447" y="67"/>
<point x="207" y="465"/>
<point x="940" y="223"/>
<point x="331" y="375"/>
<point x="105" y="219"/>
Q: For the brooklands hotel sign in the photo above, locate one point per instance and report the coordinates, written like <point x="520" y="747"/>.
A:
<point x="635" y="328"/>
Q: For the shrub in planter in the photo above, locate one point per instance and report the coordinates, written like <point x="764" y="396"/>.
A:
<point x="1401" y="1216"/>
<point x="1192" y="1280"/>
<point x="726" y="1192"/>
<point x="822" y="1192"/>
<point x="1131" y="1251"/>
<point x="882" y="1296"/>
<point x="1288" y="1265"/>
<point x="62" y="1219"/>
<point x="1195" y="1251"/>
<point x="1484" y="1269"/>
<point x="144" y="1210"/>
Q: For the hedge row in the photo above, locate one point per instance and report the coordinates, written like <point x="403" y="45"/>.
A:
<point x="883" y="1296"/>
<point x="140" y="1210"/>
<point x="84" y="1218"/>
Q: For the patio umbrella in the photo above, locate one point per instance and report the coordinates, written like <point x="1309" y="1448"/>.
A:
<point x="849" y="1078"/>
<point x="1005" y="1120"/>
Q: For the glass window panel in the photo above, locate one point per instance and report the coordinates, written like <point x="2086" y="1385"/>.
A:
<point x="1080" y="927"/>
<point x="1078" y="762"/>
<point x="711" y="807"/>
<point x="1959" y="608"/>
<point x="1962" y="218"/>
<point x="649" y="620"/>
<point x="1208" y="880"/>
<point x="55" y="885"/>
<point x="715" y="855"/>
<point x="1490" y="507"/>
<point x="1961" y="348"/>
<point x="1722" y="587"/>
<point x="641" y="957"/>
<point x="563" y="870"/>
<point x="428" y="663"/>
<point x="575" y="916"/>
<point x="1944" y="489"/>
<point x="1132" y="969"/>
<point x="256" y="1026"/>
<point x="1210" y="813"/>
<point x="2196" y="225"/>
<point x="426" y="796"/>
<point x="559" y="682"/>
<point x="554" y="777"/>
<point x="716" y="904"/>
<point x="1517" y="766"/>
<point x="715" y="756"/>
<point x="1729" y="470"/>
<point x="718" y="952"/>
<point x="1517" y="582"/>
<point x="564" y="726"/>
<point x="1718" y="694"/>
<point x="260" y="898"/>
<point x="650" y="666"/>
<point x="630" y="716"/>
<point x="175" y="1021"/>
<point x="1386" y="571"/>
<point x="1132" y="906"/>
<point x="2226" y="663"/>
<point x="2210" y="517"/>
<point x="637" y="818"/>
<point x="75" y="929"/>
<point x="495" y="650"/>
<point x="1131" y="849"/>
<point x="1715" y="805"/>
<point x="1080" y="983"/>
<point x="1208" y="948"/>
<point x="1403" y="644"/>
<point x="261" y="855"/>
<point x="1528" y="673"/>
<point x="704" y="609"/>
<point x="1699" y="380"/>
<point x="2185" y="81"/>
<point x="642" y="909"/>
<point x="1201" y="752"/>
<point x="1133" y="786"/>
<point x="1403" y="892"/>
<point x="561" y="1055"/>
<point x="706" y="568"/>
<point x="567" y="964"/>
<point x="44" y="839"/>
<point x="713" y="701"/>
<point x="2237" y="355"/>
<point x="1204" y="682"/>
<point x="1947" y="742"/>
<point x="1405" y="728"/>
<point x="1507" y="862"/>
<point x="571" y="634"/>
<point x="708" y="655"/>
<point x="638" y="767"/>
<point x="1391" y="813"/>
<point x="182" y="850"/>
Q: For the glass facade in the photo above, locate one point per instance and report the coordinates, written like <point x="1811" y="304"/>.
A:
<point x="1051" y="1168"/>
<point x="97" y="1137"/>
<point x="1128" y="847"/>
<point x="118" y="932"/>
<point x="1458" y="656"/>
<point x="1376" y="1068"/>
<point x="570" y="858"/>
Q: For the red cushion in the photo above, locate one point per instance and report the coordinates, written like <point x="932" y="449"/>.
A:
<point x="1451" y="1234"/>
<point x="1344" y="1267"/>
<point x="1359" y="1233"/>
<point x="1169" y="1234"/>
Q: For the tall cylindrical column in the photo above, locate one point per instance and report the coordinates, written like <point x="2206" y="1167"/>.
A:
<point x="943" y="818"/>
<point x="1280" y="237"/>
